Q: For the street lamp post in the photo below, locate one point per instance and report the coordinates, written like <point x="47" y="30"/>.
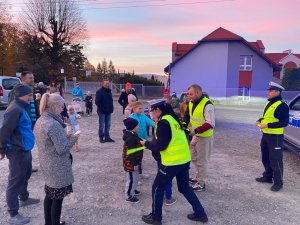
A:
<point x="62" y="71"/>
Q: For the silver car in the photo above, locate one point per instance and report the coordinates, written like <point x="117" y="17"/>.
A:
<point x="292" y="131"/>
<point x="6" y="85"/>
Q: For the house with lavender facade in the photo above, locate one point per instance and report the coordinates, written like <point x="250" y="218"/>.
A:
<point x="224" y="64"/>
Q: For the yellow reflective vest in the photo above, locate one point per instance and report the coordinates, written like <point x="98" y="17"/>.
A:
<point x="269" y="117"/>
<point x="197" y="117"/>
<point x="177" y="152"/>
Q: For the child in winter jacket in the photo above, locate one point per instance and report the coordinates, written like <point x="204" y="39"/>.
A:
<point x="132" y="158"/>
<point x="73" y="124"/>
<point x="89" y="103"/>
<point x="143" y="120"/>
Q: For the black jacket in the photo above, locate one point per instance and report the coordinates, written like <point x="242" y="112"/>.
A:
<point x="123" y="99"/>
<point x="104" y="101"/>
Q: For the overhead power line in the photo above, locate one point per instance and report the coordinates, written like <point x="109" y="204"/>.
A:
<point x="144" y="6"/>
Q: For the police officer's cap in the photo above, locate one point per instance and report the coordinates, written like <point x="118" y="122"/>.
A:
<point x="156" y="103"/>
<point x="275" y="86"/>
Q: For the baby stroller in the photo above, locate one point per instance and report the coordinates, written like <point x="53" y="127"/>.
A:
<point x="78" y="105"/>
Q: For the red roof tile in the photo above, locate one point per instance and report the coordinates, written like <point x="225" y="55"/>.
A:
<point x="221" y="34"/>
<point x="276" y="57"/>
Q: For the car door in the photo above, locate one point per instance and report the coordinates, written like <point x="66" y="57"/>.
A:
<point x="292" y="131"/>
<point x="8" y="84"/>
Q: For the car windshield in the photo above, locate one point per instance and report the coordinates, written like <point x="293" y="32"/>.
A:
<point x="9" y="83"/>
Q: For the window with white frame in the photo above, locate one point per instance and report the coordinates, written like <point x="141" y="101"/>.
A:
<point x="246" y="62"/>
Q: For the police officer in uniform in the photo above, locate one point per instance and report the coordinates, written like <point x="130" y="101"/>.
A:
<point x="275" y="118"/>
<point x="172" y="144"/>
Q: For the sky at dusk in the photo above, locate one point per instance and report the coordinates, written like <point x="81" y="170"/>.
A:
<point x="138" y="34"/>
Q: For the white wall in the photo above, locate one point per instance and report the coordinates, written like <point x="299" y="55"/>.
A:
<point x="206" y="65"/>
<point x="288" y="58"/>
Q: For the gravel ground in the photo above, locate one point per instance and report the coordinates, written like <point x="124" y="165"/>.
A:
<point x="232" y="195"/>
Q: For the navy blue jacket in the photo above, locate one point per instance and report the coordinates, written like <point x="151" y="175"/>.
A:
<point x="16" y="131"/>
<point x="104" y="101"/>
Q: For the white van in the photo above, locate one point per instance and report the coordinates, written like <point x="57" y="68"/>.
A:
<point x="292" y="131"/>
<point x="6" y="85"/>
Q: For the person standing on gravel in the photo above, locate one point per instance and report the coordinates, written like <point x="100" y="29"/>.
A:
<point x="16" y="142"/>
<point x="172" y="145"/>
<point x="54" y="145"/>
<point x="275" y="118"/>
<point x="105" y="108"/>
<point x="201" y="116"/>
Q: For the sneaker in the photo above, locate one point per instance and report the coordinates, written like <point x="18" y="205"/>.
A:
<point x="109" y="140"/>
<point x="132" y="200"/>
<point x="34" y="170"/>
<point x="62" y="222"/>
<point x="137" y="193"/>
<point x="171" y="201"/>
<point x="140" y="183"/>
<point x="264" y="180"/>
<point x="194" y="217"/>
<point x="101" y="140"/>
<point x="276" y="187"/>
<point x="29" y="201"/>
<point x="198" y="187"/>
<point x="149" y="219"/>
<point x="18" y="219"/>
<point x="193" y="180"/>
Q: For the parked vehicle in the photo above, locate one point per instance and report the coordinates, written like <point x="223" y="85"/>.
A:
<point x="292" y="131"/>
<point x="6" y="85"/>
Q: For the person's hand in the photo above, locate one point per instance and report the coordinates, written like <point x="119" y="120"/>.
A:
<point x="2" y="156"/>
<point x="78" y="116"/>
<point x="257" y="123"/>
<point x="143" y="142"/>
<point x="136" y="168"/>
<point x="192" y="133"/>
<point x="263" y="126"/>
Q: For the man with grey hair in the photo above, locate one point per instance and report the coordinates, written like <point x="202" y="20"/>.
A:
<point x="200" y="114"/>
<point x="16" y="142"/>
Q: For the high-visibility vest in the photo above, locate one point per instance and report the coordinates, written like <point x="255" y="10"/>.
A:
<point x="269" y="117"/>
<point x="133" y="150"/>
<point x="197" y="117"/>
<point x="177" y="152"/>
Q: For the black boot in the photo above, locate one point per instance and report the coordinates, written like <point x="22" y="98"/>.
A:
<point x="264" y="180"/>
<point x="149" y="219"/>
<point x="194" y="217"/>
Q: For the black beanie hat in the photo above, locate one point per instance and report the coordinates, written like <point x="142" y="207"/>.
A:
<point x="130" y="123"/>
<point x="22" y="90"/>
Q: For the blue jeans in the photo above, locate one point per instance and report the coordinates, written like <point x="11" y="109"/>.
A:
<point x="104" y="125"/>
<point x="163" y="178"/>
<point x="20" y="165"/>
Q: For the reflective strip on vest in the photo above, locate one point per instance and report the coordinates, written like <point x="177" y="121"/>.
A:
<point x="177" y="152"/>
<point x="269" y="117"/>
<point x="133" y="150"/>
<point x="197" y="117"/>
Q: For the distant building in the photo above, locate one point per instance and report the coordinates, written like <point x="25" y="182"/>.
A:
<point x="224" y="64"/>
<point x="286" y="59"/>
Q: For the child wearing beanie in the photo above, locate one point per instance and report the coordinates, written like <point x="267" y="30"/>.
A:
<point x="128" y="109"/>
<point x="132" y="158"/>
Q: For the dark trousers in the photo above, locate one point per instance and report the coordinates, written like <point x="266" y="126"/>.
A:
<point x="20" y="166"/>
<point x="89" y="109"/>
<point x="163" y="178"/>
<point x="271" y="154"/>
<point x="52" y="210"/>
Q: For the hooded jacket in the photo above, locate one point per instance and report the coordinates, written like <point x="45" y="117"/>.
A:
<point x="16" y="131"/>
